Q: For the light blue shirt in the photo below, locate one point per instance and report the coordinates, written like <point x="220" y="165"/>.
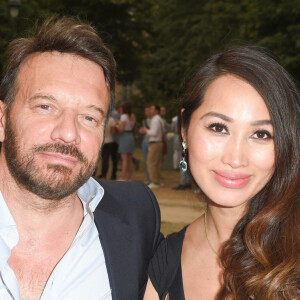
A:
<point x="80" y="274"/>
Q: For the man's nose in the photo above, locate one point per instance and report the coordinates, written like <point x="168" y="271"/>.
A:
<point x="236" y="152"/>
<point x="66" y="128"/>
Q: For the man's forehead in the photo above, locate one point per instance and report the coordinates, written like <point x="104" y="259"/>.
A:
<point x="46" y="60"/>
<point x="62" y="74"/>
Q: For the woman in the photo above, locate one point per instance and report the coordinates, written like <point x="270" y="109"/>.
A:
<point x="240" y="123"/>
<point x="126" y="142"/>
<point x="107" y="149"/>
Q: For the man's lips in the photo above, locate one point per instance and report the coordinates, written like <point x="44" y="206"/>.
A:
<point x="56" y="157"/>
<point x="231" y="180"/>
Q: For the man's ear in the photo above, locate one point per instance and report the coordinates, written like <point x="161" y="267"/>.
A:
<point x="3" y="109"/>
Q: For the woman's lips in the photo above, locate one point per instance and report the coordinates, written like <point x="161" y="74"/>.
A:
<point x="232" y="180"/>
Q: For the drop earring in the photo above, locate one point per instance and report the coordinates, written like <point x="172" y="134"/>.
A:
<point x="183" y="163"/>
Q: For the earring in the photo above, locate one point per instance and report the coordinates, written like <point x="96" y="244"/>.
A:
<point x="183" y="163"/>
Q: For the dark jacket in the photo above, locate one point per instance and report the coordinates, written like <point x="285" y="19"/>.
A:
<point x="128" y="222"/>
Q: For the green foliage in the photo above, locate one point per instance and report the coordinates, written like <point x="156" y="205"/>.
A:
<point x="185" y="33"/>
<point x="158" y="44"/>
<point x="118" y="22"/>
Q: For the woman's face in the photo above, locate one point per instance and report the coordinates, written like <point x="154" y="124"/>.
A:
<point x="230" y="142"/>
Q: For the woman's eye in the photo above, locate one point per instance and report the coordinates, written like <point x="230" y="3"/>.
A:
<point x="262" y="135"/>
<point x="218" y="127"/>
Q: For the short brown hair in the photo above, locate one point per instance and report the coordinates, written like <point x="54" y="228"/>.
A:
<point x="65" y="35"/>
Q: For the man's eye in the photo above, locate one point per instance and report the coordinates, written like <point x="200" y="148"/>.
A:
<point x="262" y="135"/>
<point x="44" y="106"/>
<point x="91" y="119"/>
<point x="218" y="127"/>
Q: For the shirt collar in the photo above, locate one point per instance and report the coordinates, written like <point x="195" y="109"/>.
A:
<point x="90" y="195"/>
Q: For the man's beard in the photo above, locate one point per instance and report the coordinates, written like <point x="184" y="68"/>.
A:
<point x="55" y="182"/>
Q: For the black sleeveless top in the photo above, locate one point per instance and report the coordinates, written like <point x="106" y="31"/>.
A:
<point x="165" y="267"/>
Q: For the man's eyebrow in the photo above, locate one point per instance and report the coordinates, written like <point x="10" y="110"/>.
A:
<point x="52" y="98"/>
<point x="42" y="96"/>
<point x="98" y="109"/>
<point x="228" y="119"/>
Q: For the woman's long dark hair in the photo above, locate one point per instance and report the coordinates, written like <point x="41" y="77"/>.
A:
<point x="261" y="259"/>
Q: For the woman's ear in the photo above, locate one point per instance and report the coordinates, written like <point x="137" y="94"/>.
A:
<point x="3" y="109"/>
<point x="183" y="130"/>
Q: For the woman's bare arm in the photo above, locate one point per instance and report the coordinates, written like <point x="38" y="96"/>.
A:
<point x="150" y="293"/>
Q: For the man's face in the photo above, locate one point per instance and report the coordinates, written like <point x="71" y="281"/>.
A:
<point x="148" y="112"/>
<point x="54" y="129"/>
<point x="153" y="110"/>
<point x="162" y="111"/>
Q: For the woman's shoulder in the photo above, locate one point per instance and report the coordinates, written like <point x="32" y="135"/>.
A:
<point x="167" y="261"/>
<point x="175" y="239"/>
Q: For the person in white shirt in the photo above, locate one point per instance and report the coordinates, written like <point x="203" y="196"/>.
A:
<point x="62" y="234"/>
<point x="155" y="153"/>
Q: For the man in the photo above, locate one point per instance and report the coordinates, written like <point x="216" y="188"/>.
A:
<point x="155" y="152"/>
<point x="162" y="113"/>
<point x="56" y="91"/>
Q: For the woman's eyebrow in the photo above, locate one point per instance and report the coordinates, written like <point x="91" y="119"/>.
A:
<point x="228" y="119"/>
<point x="261" y="122"/>
<point x="215" y="114"/>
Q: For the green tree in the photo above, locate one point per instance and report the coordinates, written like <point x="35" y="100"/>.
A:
<point x="185" y="33"/>
<point x="119" y="22"/>
<point x="275" y="25"/>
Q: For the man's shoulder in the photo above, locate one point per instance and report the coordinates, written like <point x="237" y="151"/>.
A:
<point x="127" y="194"/>
<point x="132" y="202"/>
<point x="118" y="186"/>
<point x="156" y="119"/>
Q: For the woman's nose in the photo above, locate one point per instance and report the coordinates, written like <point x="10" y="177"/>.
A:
<point x="236" y="152"/>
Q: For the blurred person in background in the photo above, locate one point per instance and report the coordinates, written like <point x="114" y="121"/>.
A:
<point x="162" y="113"/>
<point x="107" y="149"/>
<point x="156" y="134"/>
<point x="177" y="151"/>
<point x="115" y="145"/>
<point x="145" y="143"/>
<point x="126" y="140"/>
